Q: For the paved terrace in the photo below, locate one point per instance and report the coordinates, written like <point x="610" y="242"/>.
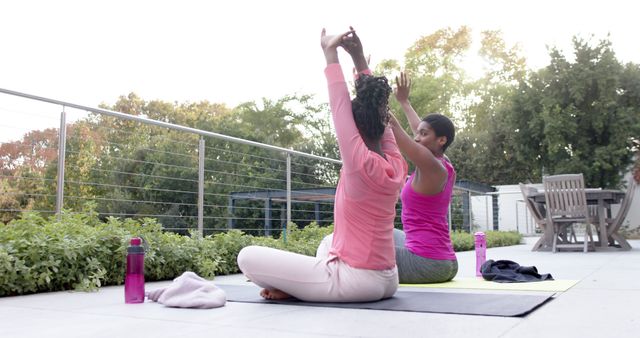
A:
<point x="605" y="303"/>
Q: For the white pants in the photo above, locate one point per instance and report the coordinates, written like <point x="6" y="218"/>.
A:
<point x="324" y="278"/>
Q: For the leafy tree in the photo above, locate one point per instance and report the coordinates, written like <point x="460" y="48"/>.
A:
<point x="36" y="149"/>
<point x="433" y="63"/>
<point x="579" y="116"/>
<point x="23" y="164"/>
<point x="484" y="147"/>
<point x="9" y="201"/>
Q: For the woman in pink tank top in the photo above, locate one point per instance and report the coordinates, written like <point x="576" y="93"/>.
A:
<point x="424" y="252"/>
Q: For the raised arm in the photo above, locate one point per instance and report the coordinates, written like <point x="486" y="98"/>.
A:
<point x="352" y="45"/>
<point x="350" y="143"/>
<point x="431" y="173"/>
<point x="403" y="86"/>
<point x="329" y="44"/>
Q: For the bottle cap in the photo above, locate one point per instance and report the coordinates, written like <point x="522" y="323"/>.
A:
<point x="135" y="247"/>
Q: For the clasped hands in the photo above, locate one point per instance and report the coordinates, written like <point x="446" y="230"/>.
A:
<point x="348" y="40"/>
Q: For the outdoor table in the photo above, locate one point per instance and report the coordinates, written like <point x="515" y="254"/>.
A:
<point x="602" y="198"/>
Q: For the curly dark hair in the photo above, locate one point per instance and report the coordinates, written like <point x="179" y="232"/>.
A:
<point x="370" y="106"/>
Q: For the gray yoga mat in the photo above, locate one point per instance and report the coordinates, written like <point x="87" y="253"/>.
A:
<point x="505" y="305"/>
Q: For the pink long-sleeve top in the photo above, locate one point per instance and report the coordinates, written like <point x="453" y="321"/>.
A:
<point x="368" y="188"/>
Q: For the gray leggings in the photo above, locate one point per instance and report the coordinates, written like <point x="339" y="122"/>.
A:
<point x="414" y="269"/>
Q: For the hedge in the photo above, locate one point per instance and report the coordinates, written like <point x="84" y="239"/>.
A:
<point x="78" y="251"/>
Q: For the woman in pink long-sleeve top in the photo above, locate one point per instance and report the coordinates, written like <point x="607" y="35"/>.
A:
<point x="359" y="263"/>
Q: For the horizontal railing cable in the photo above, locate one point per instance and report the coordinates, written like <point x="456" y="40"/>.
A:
<point x="8" y="126"/>
<point x="128" y="200"/>
<point x="245" y="164"/>
<point x="141" y="215"/>
<point x="124" y="146"/>
<point x="173" y="140"/>
<point x="136" y="174"/>
<point x="32" y="210"/>
<point x="255" y="156"/>
<point x="28" y="113"/>
<point x="140" y="161"/>
<point x="28" y="178"/>
<point x="29" y="146"/>
<point x="258" y="190"/>
<point x="279" y="180"/>
<point x="224" y="206"/>
<point x="208" y="149"/>
<point x="9" y="193"/>
<point x="129" y="187"/>
<point x="163" y="124"/>
<point x="244" y="176"/>
<point x="294" y="173"/>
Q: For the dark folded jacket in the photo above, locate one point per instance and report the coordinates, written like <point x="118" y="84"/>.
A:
<point x="504" y="271"/>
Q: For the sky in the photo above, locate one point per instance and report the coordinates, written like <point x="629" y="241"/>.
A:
<point x="91" y="52"/>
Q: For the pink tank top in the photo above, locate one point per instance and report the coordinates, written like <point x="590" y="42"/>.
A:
<point x="424" y="219"/>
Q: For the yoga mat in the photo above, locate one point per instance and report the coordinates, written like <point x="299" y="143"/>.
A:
<point x="505" y="305"/>
<point x="479" y="283"/>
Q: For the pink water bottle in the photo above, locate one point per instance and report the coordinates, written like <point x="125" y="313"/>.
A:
<point x="134" y="278"/>
<point x="481" y="251"/>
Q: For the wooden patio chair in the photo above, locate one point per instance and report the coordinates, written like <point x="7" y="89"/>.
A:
<point x="566" y="204"/>
<point x="614" y="224"/>
<point x="535" y="210"/>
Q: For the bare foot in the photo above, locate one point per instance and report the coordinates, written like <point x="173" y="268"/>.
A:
<point x="274" y="294"/>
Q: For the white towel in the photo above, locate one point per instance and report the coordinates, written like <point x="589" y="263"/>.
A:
<point x="190" y="291"/>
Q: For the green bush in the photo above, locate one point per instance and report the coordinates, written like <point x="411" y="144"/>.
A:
<point x="40" y="255"/>
<point x="463" y="241"/>
<point x="226" y="247"/>
<point x="305" y="241"/>
<point x="78" y="251"/>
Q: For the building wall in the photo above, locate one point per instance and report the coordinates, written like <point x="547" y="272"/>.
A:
<point x="513" y="214"/>
<point x="481" y="212"/>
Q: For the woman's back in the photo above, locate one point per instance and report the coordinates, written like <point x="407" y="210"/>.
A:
<point x="367" y="192"/>
<point x="424" y="219"/>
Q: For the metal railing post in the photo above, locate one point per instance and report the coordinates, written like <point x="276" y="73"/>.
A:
<point x="486" y="211"/>
<point x="62" y="140"/>
<point x="201" y="150"/>
<point x="526" y="217"/>
<point x="286" y="226"/>
<point x="231" y="218"/>
<point x="470" y="215"/>
<point x="517" y="219"/>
